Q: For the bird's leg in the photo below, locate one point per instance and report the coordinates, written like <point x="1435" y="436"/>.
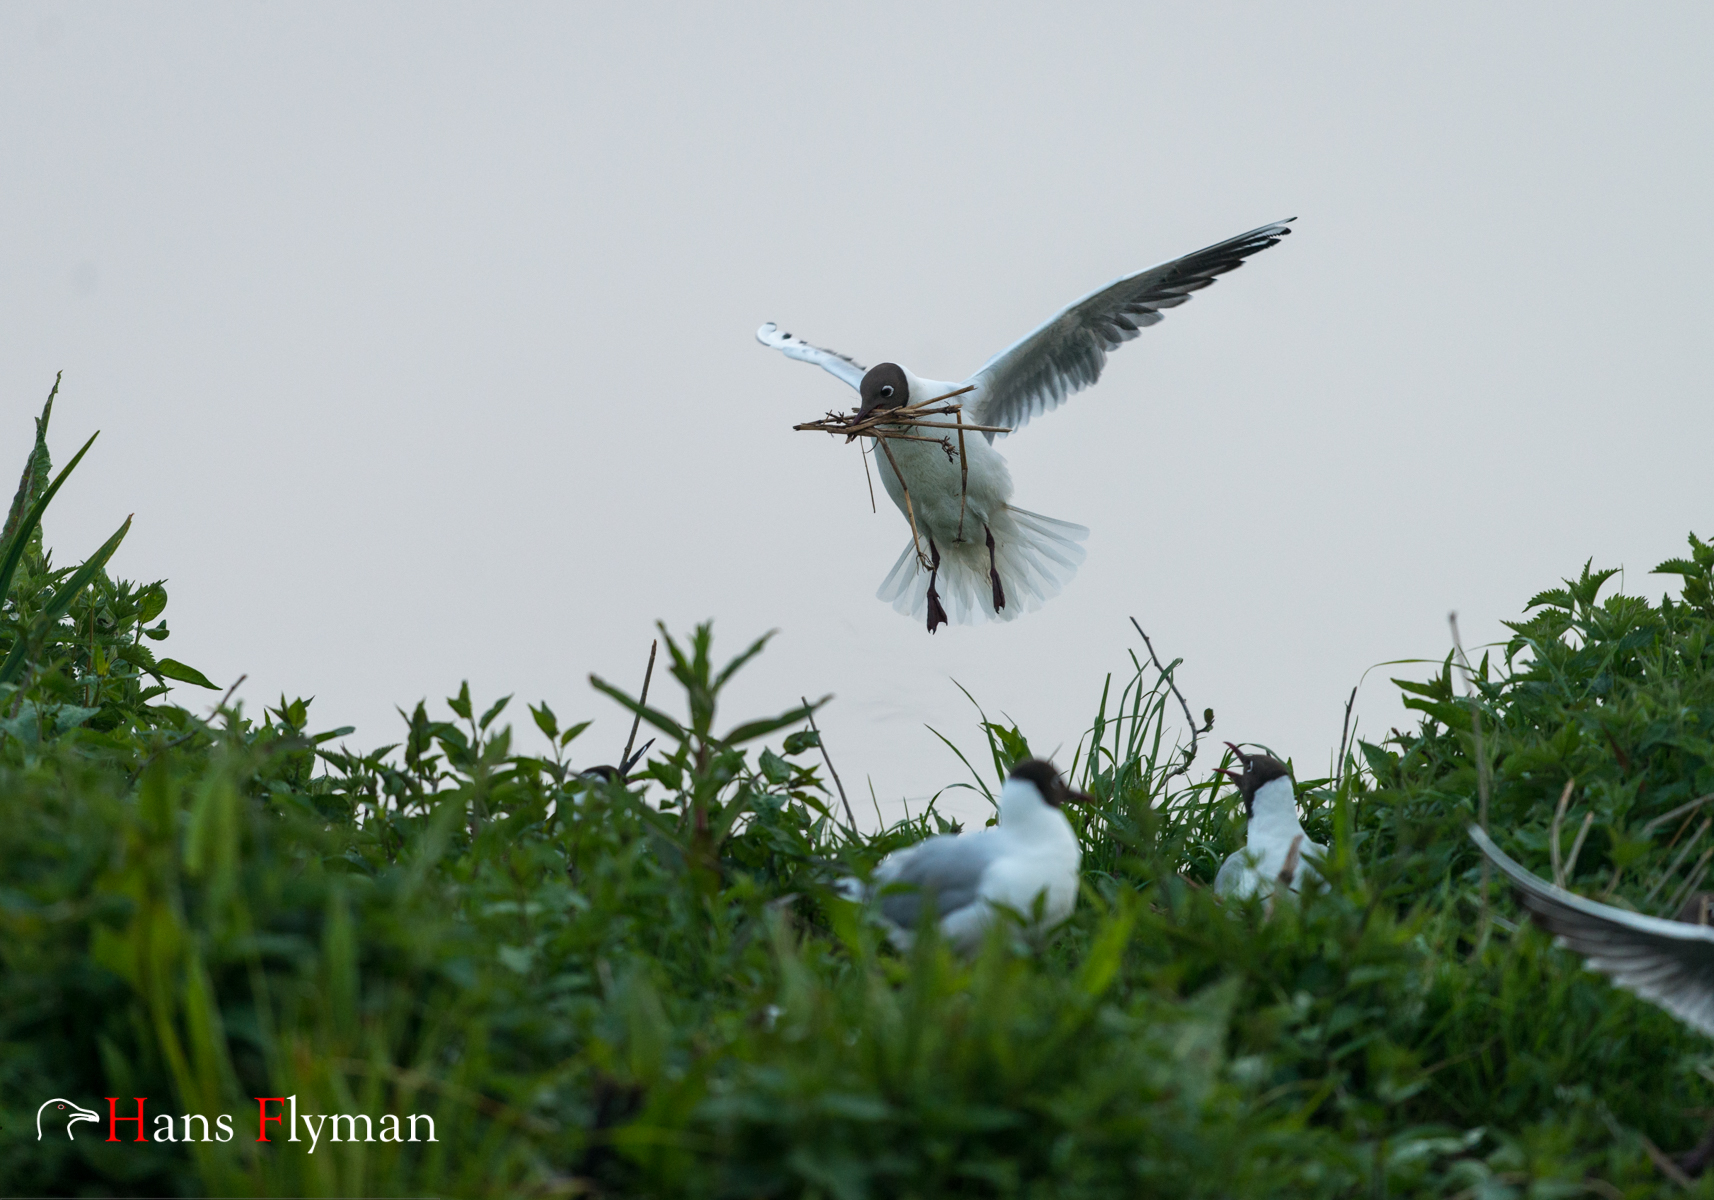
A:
<point x="936" y="614"/>
<point x="994" y="573"/>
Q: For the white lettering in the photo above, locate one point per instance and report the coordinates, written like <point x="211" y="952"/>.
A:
<point x="351" y="1127"/>
<point x="164" y="1123"/>
<point x="414" y="1120"/>
<point x="293" y="1126"/>
<point x="223" y="1128"/>
<point x="314" y="1131"/>
<point x="187" y="1119"/>
<point x="390" y="1126"/>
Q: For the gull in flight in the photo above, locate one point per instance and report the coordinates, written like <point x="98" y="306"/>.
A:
<point x="967" y="878"/>
<point x="1272" y="831"/>
<point x="980" y="557"/>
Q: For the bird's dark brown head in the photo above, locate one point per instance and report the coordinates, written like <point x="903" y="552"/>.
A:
<point x="884" y="386"/>
<point x="1259" y="769"/>
<point x="1048" y="783"/>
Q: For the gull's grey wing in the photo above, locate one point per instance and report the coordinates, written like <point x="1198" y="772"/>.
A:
<point x="1670" y="963"/>
<point x="1066" y="354"/>
<point x="831" y="361"/>
<point x="945" y="871"/>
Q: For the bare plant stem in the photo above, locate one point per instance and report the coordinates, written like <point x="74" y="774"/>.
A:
<point x="963" y="475"/>
<point x="642" y="700"/>
<point x="1481" y="756"/>
<point x="1553" y="832"/>
<point x="1190" y="755"/>
<point x="850" y="818"/>
<point x="1677" y="860"/>
<point x="1577" y="844"/>
<point x="910" y="511"/>
<point x="1345" y="738"/>
<point x="1683" y="893"/>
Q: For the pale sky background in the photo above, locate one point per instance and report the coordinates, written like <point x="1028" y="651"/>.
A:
<point x="420" y="337"/>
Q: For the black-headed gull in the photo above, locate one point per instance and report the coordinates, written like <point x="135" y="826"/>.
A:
<point x="1272" y="828"/>
<point x="985" y="558"/>
<point x="1031" y="854"/>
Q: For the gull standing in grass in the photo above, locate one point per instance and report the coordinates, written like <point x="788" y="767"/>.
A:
<point x="1668" y="963"/>
<point x="1273" y="833"/>
<point x="966" y="878"/>
<point x="981" y="557"/>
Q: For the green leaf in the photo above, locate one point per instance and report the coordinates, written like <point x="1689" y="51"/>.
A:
<point x="494" y="710"/>
<point x="461" y="703"/>
<point x="545" y="720"/>
<point x="151" y="602"/>
<point x="774" y="768"/>
<point x="803" y="739"/>
<point x="751" y="730"/>
<point x="653" y="716"/>
<point x="21" y="537"/>
<point x="566" y="738"/>
<point x="172" y="668"/>
<point x="63" y="596"/>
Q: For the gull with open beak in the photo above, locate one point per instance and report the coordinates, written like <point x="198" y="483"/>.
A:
<point x="1273" y="833"/>
<point x="967" y="879"/>
<point x="973" y="555"/>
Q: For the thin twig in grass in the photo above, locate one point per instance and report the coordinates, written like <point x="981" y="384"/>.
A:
<point x="1166" y="674"/>
<point x="1481" y="757"/>
<point x="625" y="758"/>
<point x="1344" y="739"/>
<point x="1553" y="831"/>
<point x="1677" y="861"/>
<point x="828" y="759"/>
<point x="1653" y="822"/>
<point x="1684" y="893"/>
<point x="1577" y="845"/>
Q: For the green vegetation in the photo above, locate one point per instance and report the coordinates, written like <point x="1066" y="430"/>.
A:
<point x="654" y="991"/>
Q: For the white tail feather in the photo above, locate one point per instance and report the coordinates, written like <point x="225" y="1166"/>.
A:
<point x="1036" y="557"/>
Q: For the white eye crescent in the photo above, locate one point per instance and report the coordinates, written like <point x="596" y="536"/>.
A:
<point x="887" y="390"/>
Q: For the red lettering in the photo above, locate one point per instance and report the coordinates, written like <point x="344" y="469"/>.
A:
<point x="113" y="1119"/>
<point x="262" y="1103"/>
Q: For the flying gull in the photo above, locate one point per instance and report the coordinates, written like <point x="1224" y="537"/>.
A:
<point x="985" y="558"/>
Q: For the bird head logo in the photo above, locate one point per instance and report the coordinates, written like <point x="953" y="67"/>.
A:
<point x="58" y="1110"/>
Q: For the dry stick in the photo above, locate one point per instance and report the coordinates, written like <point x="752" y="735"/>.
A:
<point x="963" y="475"/>
<point x="1184" y="768"/>
<point x="1683" y="893"/>
<point x="1553" y="831"/>
<point x="637" y="718"/>
<point x="1682" y="808"/>
<point x="828" y="759"/>
<point x="1344" y="735"/>
<point x="910" y="511"/>
<point x="864" y="454"/>
<point x="1677" y="860"/>
<point x="1577" y="845"/>
<point x="1481" y="757"/>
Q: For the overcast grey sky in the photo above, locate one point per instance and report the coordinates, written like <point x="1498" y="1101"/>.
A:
<point x="421" y="336"/>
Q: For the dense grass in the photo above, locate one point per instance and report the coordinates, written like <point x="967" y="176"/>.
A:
<point x="652" y="990"/>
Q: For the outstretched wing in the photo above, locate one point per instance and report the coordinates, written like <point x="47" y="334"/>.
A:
<point x="1670" y="963"/>
<point x="1035" y="374"/>
<point x="834" y="363"/>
